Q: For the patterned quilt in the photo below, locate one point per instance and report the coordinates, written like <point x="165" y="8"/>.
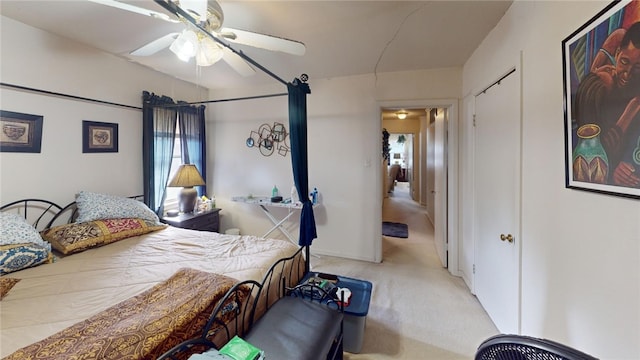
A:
<point x="142" y="327"/>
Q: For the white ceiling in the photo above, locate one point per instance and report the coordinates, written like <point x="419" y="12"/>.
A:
<point x="341" y="37"/>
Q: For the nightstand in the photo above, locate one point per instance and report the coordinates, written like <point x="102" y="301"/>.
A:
<point x="205" y="221"/>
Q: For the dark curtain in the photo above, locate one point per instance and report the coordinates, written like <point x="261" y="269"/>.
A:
<point x="158" y="134"/>
<point x="298" y="138"/>
<point x="192" y="138"/>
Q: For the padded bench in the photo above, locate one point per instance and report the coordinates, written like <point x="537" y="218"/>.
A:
<point x="299" y="327"/>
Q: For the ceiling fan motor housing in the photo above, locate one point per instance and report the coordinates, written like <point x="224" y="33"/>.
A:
<point x="215" y="16"/>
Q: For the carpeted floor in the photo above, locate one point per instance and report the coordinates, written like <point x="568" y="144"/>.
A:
<point x="417" y="310"/>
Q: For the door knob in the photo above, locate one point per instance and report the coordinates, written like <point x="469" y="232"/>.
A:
<point x="507" y="237"/>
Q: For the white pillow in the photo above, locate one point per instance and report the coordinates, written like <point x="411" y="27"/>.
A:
<point x="94" y="206"/>
<point x="14" y="229"/>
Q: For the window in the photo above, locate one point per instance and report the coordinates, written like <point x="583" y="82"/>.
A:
<point x="171" y="200"/>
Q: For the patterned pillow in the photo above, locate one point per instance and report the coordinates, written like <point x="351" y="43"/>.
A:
<point x="16" y="257"/>
<point x="93" y="206"/>
<point x="77" y="237"/>
<point x="14" y="229"/>
<point x="6" y="284"/>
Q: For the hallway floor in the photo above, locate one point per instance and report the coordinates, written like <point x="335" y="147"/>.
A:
<point x="418" y="310"/>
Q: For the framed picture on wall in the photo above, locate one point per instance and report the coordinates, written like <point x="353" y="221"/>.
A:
<point x="601" y="70"/>
<point x="20" y="132"/>
<point x="99" y="137"/>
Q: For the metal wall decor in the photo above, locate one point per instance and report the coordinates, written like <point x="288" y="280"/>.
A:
<point x="269" y="139"/>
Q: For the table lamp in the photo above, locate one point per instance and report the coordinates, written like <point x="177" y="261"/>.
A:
<point x="187" y="177"/>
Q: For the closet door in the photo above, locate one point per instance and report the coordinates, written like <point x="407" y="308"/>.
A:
<point x="497" y="201"/>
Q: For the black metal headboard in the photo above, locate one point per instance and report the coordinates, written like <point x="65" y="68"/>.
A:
<point x="44" y="214"/>
<point x="40" y="213"/>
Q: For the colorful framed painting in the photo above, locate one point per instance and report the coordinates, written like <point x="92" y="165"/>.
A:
<point x="20" y="132"/>
<point x="99" y="137"/>
<point x="601" y="77"/>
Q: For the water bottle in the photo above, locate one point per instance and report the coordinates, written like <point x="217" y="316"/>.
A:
<point x="274" y="191"/>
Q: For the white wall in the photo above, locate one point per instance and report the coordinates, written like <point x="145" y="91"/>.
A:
<point x="344" y="154"/>
<point x="580" y="250"/>
<point x="35" y="59"/>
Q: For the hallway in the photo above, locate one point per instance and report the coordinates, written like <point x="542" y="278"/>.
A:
<point x="418" y="310"/>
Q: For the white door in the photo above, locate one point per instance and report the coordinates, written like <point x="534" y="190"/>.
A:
<point x="497" y="203"/>
<point x="409" y="161"/>
<point x="440" y="185"/>
<point x="431" y="170"/>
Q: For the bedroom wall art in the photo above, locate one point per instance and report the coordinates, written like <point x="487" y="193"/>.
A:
<point x="269" y="139"/>
<point x="601" y="69"/>
<point x="99" y="137"/>
<point x="20" y="132"/>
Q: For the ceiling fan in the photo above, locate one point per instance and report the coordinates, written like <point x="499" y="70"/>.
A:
<point x="192" y="42"/>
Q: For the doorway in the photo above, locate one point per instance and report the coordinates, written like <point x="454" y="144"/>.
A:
<point x="401" y="161"/>
<point x="443" y="216"/>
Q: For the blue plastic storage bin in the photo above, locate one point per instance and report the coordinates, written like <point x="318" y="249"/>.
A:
<point x="356" y="312"/>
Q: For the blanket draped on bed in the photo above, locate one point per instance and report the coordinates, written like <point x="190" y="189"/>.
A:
<point x="142" y="327"/>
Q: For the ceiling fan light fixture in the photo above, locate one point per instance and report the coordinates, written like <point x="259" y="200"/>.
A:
<point x="185" y="46"/>
<point x="402" y="114"/>
<point x="208" y="53"/>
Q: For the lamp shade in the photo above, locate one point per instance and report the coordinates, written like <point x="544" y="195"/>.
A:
<point x="187" y="176"/>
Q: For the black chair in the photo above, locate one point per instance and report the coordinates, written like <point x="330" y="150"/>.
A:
<point x="518" y="347"/>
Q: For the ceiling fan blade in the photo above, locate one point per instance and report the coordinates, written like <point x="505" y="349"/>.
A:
<point x="135" y="9"/>
<point x="237" y="63"/>
<point x="199" y="7"/>
<point x="263" y="41"/>
<point x="155" y="46"/>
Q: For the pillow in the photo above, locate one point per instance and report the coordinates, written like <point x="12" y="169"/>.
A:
<point x="16" y="257"/>
<point x="93" y="206"/>
<point x="14" y="229"/>
<point x="77" y="237"/>
<point x="5" y="285"/>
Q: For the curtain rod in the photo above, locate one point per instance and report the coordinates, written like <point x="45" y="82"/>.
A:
<point x="74" y="97"/>
<point x="236" y="99"/>
<point x="184" y="103"/>
<point x="175" y="9"/>
<point x="497" y="82"/>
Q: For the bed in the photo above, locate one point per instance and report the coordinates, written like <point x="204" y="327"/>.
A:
<point x="91" y="286"/>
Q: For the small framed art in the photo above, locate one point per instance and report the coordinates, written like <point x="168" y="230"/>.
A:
<point x="20" y="132"/>
<point x="99" y="137"/>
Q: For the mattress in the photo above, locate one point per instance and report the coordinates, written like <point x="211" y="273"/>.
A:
<point x="51" y="297"/>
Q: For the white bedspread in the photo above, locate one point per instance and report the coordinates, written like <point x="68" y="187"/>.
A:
<point x="54" y="296"/>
